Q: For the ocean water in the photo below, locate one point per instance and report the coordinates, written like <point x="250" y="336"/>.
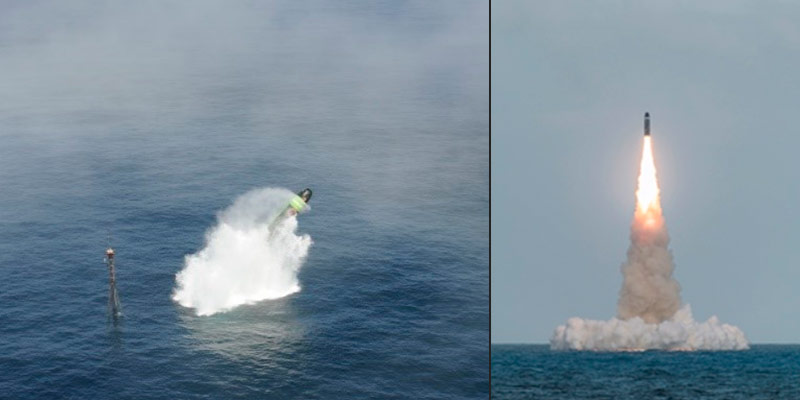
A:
<point x="536" y="372"/>
<point x="139" y="123"/>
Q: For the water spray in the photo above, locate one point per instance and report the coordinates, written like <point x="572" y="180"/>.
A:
<point x="251" y="254"/>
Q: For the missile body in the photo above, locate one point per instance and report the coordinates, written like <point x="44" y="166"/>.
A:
<point x="647" y="124"/>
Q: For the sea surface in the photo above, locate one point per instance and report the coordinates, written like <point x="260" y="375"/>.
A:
<point x="135" y="124"/>
<point x="536" y="372"/>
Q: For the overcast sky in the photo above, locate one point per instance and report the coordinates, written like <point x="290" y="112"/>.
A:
<point x="570" y="83"/>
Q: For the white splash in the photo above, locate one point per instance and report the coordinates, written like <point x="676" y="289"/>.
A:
<point x="243" y="261"/>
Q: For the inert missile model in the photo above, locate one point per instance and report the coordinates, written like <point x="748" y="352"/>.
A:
<point x="647" y="124"/>
<point x="297" y="204"/>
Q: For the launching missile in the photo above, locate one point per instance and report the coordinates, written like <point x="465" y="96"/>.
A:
<point x="297" y="204"/>
<point x="647" y="124"/>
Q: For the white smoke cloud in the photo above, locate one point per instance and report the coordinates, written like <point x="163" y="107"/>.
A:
<point x="242" y="261"/>
<point x="649" y="309"/>
<point x="648" y="289"/>
<point x="680" y="332"/>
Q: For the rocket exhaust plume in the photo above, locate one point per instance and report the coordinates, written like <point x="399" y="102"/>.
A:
<point x="648" y="290"/>
<point x="649" y="311"/>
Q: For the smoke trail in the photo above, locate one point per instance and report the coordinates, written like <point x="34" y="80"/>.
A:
<point x="649" y="306"/>
<point x="242" y="261"/>
<point x="648" y="290"/>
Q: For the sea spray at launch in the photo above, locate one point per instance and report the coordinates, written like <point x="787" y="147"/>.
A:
<point x="650" y="314"/>
<point x="242" y="261"/>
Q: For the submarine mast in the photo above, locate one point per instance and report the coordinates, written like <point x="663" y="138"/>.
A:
<point x="114" y="307"/>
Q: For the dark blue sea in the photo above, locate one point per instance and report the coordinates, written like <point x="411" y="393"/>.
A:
<point x="135" y="125"/>
<point x="536" y="372"/>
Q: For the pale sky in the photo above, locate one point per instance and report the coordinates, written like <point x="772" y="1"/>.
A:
<point x="571" y="81"/>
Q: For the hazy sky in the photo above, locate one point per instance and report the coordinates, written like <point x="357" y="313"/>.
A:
<point x="115" y="70"/>
<point x="570" y="83"/>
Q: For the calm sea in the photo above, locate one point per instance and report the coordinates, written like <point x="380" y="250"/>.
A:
<point x="536" y="372"/>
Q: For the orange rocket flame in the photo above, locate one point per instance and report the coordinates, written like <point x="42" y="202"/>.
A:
<point x="648" y="204"/>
